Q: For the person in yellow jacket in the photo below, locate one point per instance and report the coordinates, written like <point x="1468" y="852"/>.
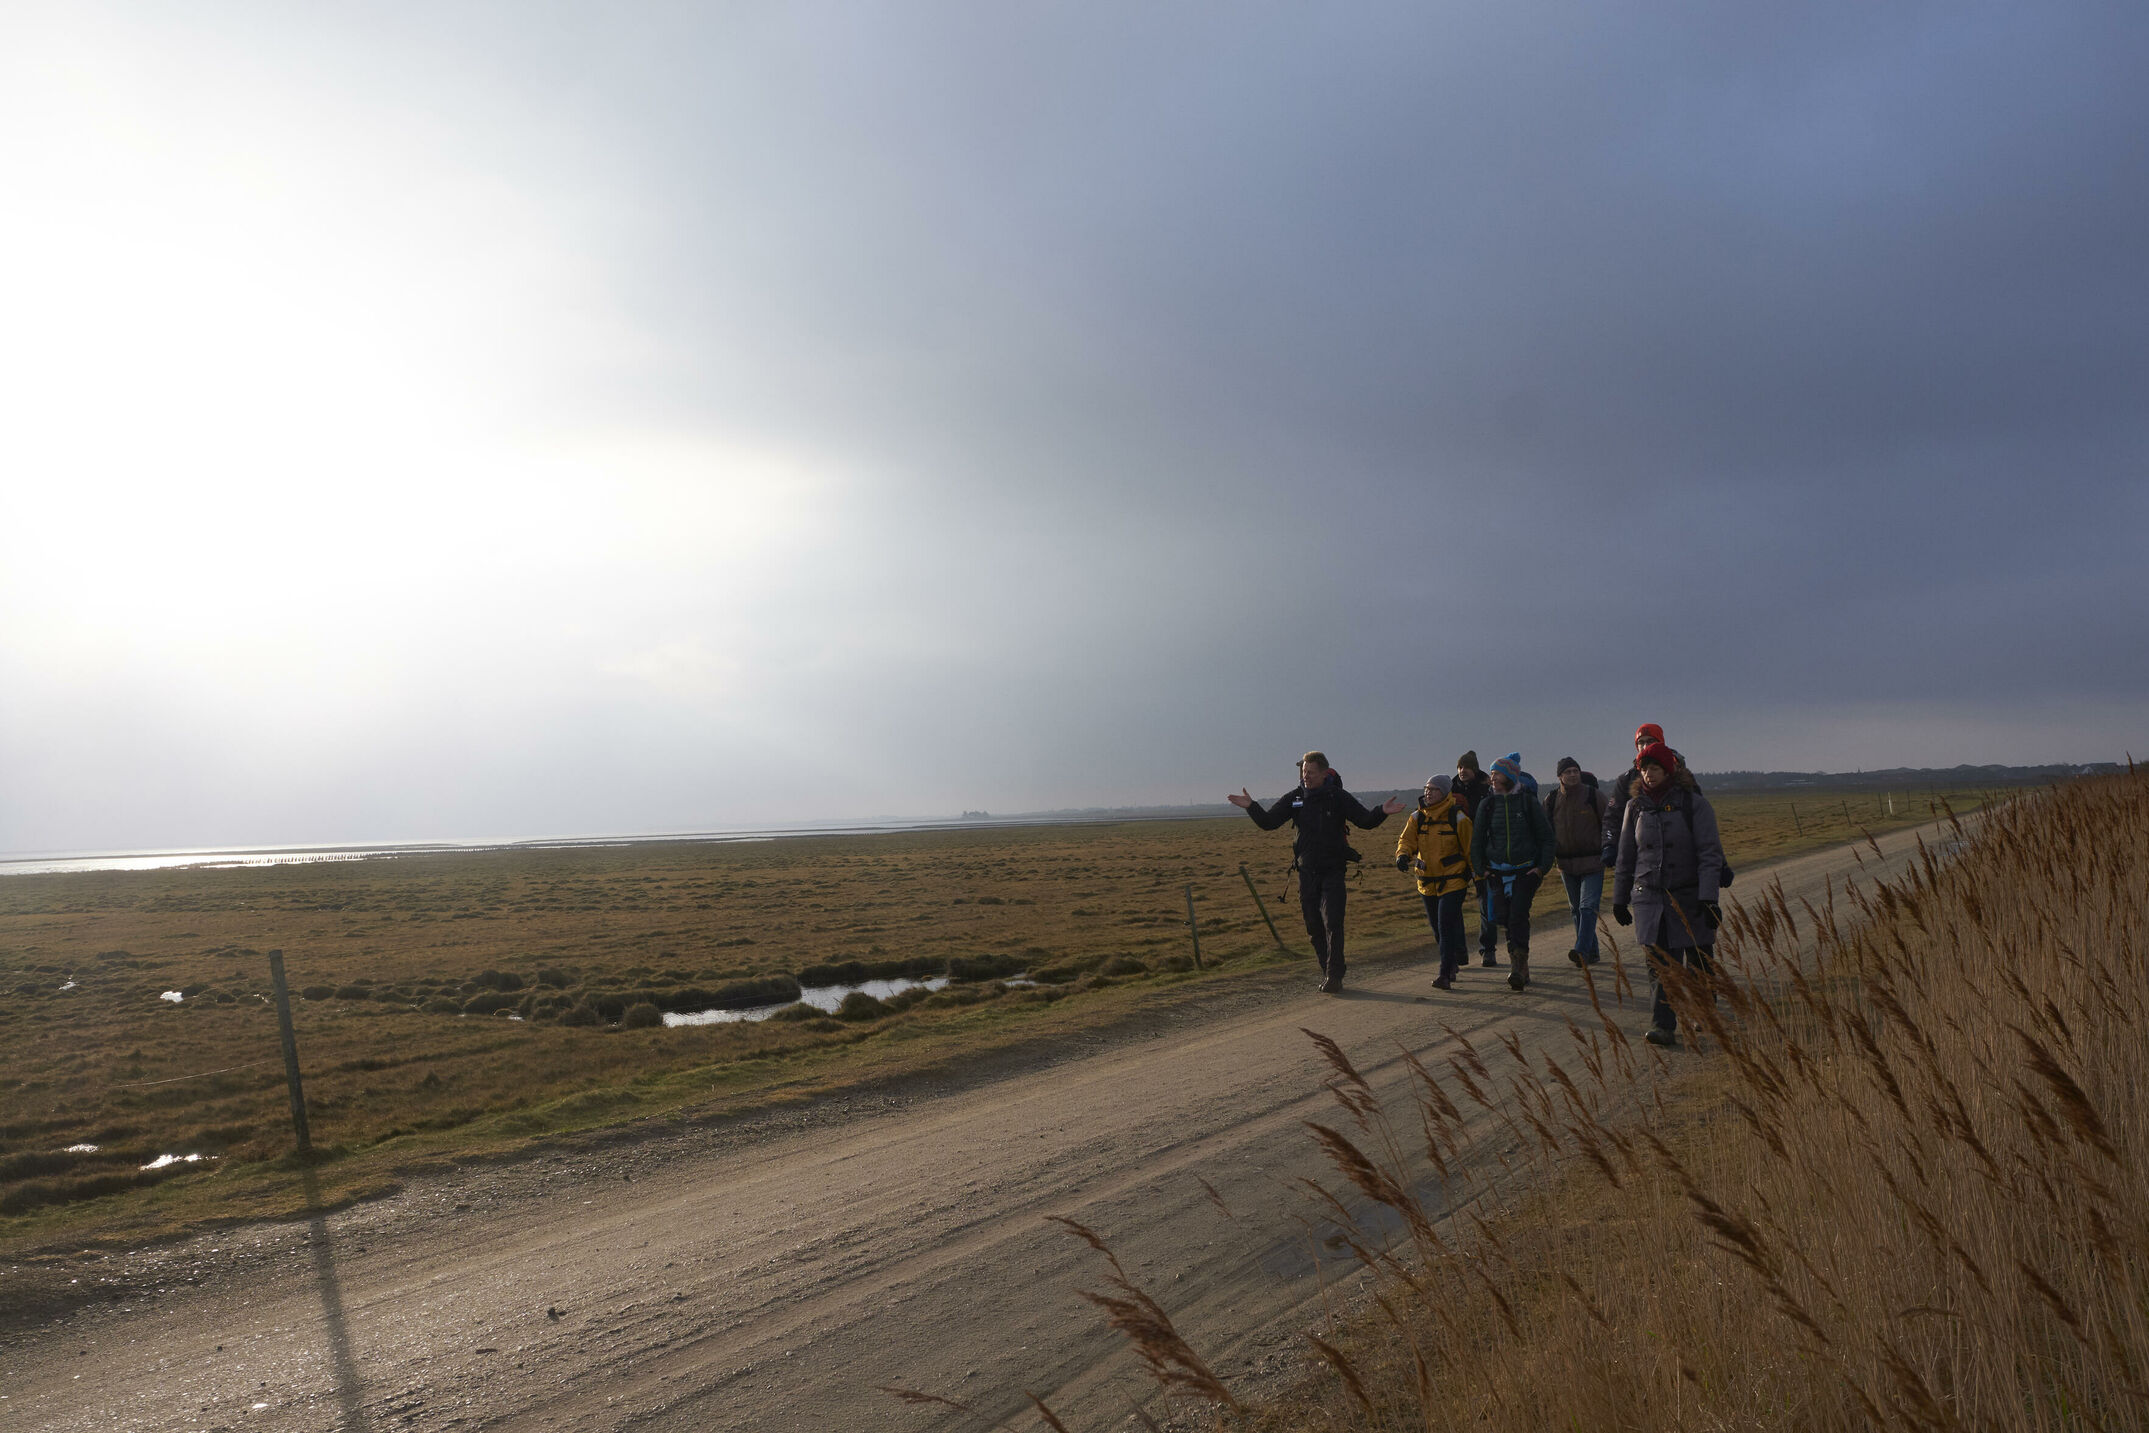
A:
<point x="1435" y="846"/>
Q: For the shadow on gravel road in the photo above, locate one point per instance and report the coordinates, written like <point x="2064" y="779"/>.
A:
<point x="342" y="1365"/>
<point x="1395" y="996"/>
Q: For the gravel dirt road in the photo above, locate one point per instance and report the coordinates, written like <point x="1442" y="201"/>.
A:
<point x="767" y="1275"/>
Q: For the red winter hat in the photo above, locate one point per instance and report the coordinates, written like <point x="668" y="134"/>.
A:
<point x="1659" y="753"/>
<point x="1648" y="731"/>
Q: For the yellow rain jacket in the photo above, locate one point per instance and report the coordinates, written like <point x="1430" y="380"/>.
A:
<point x="1437" y="838"/>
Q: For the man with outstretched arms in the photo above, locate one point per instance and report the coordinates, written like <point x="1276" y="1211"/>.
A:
<point x="1322" y="810"/>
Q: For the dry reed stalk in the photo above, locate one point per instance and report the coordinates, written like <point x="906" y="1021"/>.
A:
<point x="1142" y="1321"/>
<point x="1908" y="1189"/>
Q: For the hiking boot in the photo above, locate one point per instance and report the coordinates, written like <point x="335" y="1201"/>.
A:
<point x="1669" y="1039"/>
<point x="1490" y="962"/>
<point x="1443" y="982"/>
<point x="1332" y="986"/>
<point x="1520" y="979"/>
<point x="1574" y="957"/>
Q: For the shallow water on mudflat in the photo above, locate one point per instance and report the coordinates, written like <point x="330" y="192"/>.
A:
<point x="820" y="997"/>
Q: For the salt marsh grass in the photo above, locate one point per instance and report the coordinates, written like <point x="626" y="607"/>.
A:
<point x="457" y="1003"/>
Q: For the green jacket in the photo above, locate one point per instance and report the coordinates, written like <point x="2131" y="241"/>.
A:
<point x="1512" y="832"/>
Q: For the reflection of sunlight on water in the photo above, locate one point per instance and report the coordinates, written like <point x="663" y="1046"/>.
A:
<point x="163" y="1161"/>
<point x="236" y="858"/>
<point x="172" y="995"/>
<point x="820" y="997"/>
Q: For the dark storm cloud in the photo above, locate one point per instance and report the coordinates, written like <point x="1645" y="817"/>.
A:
<point x="1801" y="355"/>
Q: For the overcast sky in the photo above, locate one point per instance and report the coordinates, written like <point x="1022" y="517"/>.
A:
<point x="461" y="420"/>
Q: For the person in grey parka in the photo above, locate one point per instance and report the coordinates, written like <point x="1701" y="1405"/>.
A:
<point x="1665" y="883"/>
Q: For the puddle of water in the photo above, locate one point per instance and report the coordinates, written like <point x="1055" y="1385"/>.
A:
<point x="172" y="995"/>
<point x="820" y="997"/>
<point x="165" y="1161"/>
<point x="80" y="1149"/>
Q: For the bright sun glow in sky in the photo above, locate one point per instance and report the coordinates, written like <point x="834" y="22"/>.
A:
<point x="295" y="374"/>
<point x="282" y="397"/>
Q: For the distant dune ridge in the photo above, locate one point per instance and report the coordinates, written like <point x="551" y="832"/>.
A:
<point x="1949" y="776"/>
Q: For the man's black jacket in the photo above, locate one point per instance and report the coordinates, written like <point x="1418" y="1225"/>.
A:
<point x="1319" y="815"/>
<point x="1469" y="794"/>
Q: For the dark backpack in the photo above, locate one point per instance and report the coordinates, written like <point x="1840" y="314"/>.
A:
<point x="1589" y="780"/>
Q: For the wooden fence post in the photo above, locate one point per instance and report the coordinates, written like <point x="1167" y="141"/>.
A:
<point x="1259" y="906"/>
<point x="283" y="1025"/>
<point x="1193" y="928"/>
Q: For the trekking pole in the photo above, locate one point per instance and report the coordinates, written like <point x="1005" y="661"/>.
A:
<point x="1192" y="926"/>
<point x="1847" y="814"/>
<point x="290" y="1043"/>
<point x="1256" y="894"/>
<point x="1796" y="825"/>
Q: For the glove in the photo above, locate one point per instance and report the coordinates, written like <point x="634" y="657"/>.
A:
<point x="1623" y="915"/>
<point x="1609" y="857"/>
<point x="1402" y="863"/>
<point x="1712" y="913"/>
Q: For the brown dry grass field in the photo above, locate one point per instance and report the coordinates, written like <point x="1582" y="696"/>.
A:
<point x="405" y="972"/>
<point x="1906" y="1185"/>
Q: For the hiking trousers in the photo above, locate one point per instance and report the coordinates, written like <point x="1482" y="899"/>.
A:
<point x="1445" y="915"/>
<point x="1512" y="908"/>
<point x="1583" y="894"/>
<point x="1320" y="898"/>
<point x="1699" y="963"/>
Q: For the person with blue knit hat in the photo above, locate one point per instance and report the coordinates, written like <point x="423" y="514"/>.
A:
<point x="1512" y="765"/>
<point x="1512" y="846"/>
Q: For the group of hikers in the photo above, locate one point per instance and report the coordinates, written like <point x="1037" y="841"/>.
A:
<point x="1493" y="834"/>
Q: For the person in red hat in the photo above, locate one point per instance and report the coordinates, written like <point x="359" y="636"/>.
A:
<point x="1615" y="808"/>
<point x="1666" y="875"/>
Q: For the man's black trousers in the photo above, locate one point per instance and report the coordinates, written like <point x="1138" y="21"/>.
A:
<point x="1320" y="897"/>
<point x="1512" y="908"/>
